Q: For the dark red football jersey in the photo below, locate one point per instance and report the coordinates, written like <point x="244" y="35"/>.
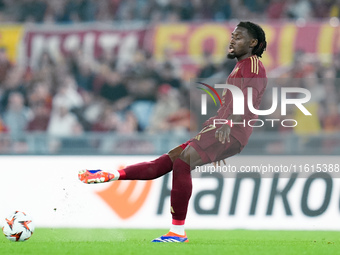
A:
<point x="248" y="72"/>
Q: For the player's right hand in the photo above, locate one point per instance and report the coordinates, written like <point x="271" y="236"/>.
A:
<point x="223" y="133"/>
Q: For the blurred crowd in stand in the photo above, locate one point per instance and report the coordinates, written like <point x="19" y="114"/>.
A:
<point x="322" y="79"/>
<point x="73" y="95"/>
<point x="71" y="11"/>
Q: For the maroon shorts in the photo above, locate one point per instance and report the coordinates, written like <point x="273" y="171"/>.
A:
<point x="210" y="149"/>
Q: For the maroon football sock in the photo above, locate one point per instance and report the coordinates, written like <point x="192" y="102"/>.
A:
<point x="147" y="170"/>
<point x="181" y="191"/>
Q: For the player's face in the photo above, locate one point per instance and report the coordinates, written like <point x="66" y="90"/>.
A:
<point x="241" y="44"/>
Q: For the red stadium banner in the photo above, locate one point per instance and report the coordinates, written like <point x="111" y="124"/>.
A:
<point x="189" y="41"/>
<point x="186" y="41"/>
<point x="94" y="41"/>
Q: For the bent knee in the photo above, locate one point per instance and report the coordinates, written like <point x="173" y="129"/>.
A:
<point x="175" y="153"/>
<point x="190" y="156"/>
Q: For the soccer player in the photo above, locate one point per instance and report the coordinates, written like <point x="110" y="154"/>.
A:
<point x="213" y="143"/>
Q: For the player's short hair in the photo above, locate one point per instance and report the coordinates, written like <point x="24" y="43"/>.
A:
<point x="256" y="32"/>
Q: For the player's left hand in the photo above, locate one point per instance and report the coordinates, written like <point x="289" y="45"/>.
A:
<point x="223" y="133"/>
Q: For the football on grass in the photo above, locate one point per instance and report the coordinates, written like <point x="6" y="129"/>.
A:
<point x="18" y="227"/>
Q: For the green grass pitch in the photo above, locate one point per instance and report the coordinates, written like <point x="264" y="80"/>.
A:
<point x="132" y="241"/>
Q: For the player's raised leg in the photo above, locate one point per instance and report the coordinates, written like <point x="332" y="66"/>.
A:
<point x="180" y="194"/>
<point x="141" y="171"/>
